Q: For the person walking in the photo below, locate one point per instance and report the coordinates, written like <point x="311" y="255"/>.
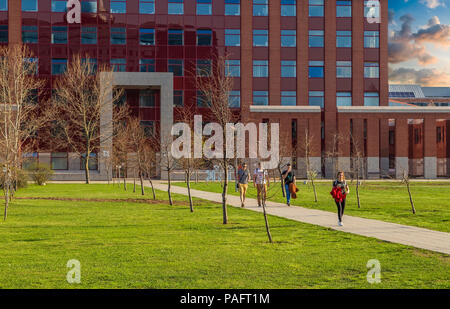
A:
<point x="243" y="179"/>
<point x="288" y="178"/>
<point x="339" y="192"/>
<point x="261" y="182"/>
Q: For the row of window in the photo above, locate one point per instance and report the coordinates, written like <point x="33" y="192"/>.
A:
<point x="204" y="7"/>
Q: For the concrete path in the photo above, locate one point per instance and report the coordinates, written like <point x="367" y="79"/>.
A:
<point x="392" y="232"/>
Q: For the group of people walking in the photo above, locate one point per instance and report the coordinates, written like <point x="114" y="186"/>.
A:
<point x="261" y="182"/>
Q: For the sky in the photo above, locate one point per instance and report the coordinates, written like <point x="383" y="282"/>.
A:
<point x="419" y="42"/>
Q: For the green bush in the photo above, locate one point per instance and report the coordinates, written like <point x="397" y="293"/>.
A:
<point x="21" y="180"/>
<point x="40" y="173"/>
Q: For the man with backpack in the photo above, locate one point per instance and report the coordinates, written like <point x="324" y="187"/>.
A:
<point x="288" y="177"/>
<point x="243" y="179"/>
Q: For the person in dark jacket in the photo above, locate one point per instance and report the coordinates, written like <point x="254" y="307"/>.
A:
<point x="339" y="192"/>
<point x="288" y="178"/>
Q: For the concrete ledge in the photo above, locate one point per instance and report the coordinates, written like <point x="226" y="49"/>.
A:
<point x="284" y="109"/>
<point x="393" y="109"/>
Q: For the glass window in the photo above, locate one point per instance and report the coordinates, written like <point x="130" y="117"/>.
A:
<point x="343" y="9"/>
<point x="260" y="68"/>
<point x="203" y="67"/>
<point x="92" y="63"/>
<point x="175" y="37"/>
<point x="59" y="6"/>
<point x="233" y="7"/>
<point x="371" y="99"/>
<point x="178" y="98"/>
<point x="288" y="68"/>
<point x="59" y="35"/>
<point x="175" y="66"/>
<point x="88" y="35"/>
<point x="147" y="65"/>
<point x="371" y="11"/>
<point x="288" y="38"/>
<point x="29" y="5"/>
<point x="204" y="37"/>
<point x="288" y="8"/>
<point x="3" y="33"/>
<point x="92" y="164"/>
<point x="147" y="98"/>
<point x="260" y="97"/>
<point x="31" y="65"/>
<point x="30" y="158"/>
<point x="260" y="7"/>
<point x="343" y="69"/>
<point x="118" y="36"/>
<point x="147" y="6"/>
<point x="202" y="100"/>
<point x="343" y="99"/>
<point x="3" y="5"/>
<point x="316" y="38"/>
<point x="119" y="64"/>
<point x="234" y="99"/>
<point x="118" y="6"/>
<point x="261" y="38"/>
<point x="233" y="68"/>
<point x="371" y="39"/>
<point x="316" y="8"/>
<point x="149" y="127"/>
<point x="29" y="34"/>
<point x="59" y="66"/>
<point x="59" y="160"/>
<point x="232" y="37"/>
<point x="371" y="70"/>
<point x="288" y="98"/>
<point x="316" y="98"/>
<point x="316" y="69"/>
<point x="147" y="36"/>
<point x="176" y="7"/>
<point x="204" y="7"/>
<point x="343" y="39"/>
<point x="89" y="6"/>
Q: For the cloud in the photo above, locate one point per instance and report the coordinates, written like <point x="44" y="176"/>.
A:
<point x="432" y="4"/>
<point x="423" y="77"/>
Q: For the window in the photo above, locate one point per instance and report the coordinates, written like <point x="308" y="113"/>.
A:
<point x="203" y="67"/>
<point x="439" y="135"/>
<point x="176" y="7"/>
<point x="147" y="65"/>
<point x="371" y="39"/>
<point x="288" y="38"/>
<point x="260" y="68"/>
<point x="89" y="6"/>
<point x="59" y="66"/>
<point x="371" y="11"/>
<point x="31" y="65"/>
<point x="371" y="70"/>
<point x="119" y="64"/>
<point x="343" y="69"/>
<point x="175" y="37"/>
<point x="416" y="136"/>
<point x="316" y="69"/>
<point x="29" y="34"/>
<point x="232" y="37"/>
<point x="343" y="39"/>
<point x="175" y="66"/>
<point x="233" y="68"/>
<point x="202" y="100"/>
<point x="288" y="98"/>
<point x="344" y="99"/>
<point x="92" y="164"/>
<point x="234" y="99"/>
<point x="260" y="7"/>
<point x="59" y="160"/>
<point x="147" y="36"/>
<point x="316" y="98"/>
<point x="91" y="63"/>
<point x="149" y="127"/>
<point x="30" y="158"/>
<point x="316" y="38"/>
<point x="233" y="7"/>
<point x="371" y="99"/>
<point x="118" y="6"/>
<point x="3" y="33"/>
<point x="204" y="7"/>
<point x="316" y="8"/>
<point x="59" y="6"/>
<point x="288" y="68"/>
<point x="260" y="97"/>
<point x="147" y="6"/>
<point x="118" y="36"/>
<point x="204" y="37"/>
<point x="29" y="5"/>
<point x="343" y="9"/>
<point x="3" y="5"/>
<point x="178" y="98"/>
<point x="59" y="35"/>
<point x="88" y="35"/>
<point x="288" y="8"/>
<point x="147" y="98"/>
<point x="261" y="38"/>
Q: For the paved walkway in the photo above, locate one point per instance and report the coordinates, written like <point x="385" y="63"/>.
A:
<point x="392" y="232"/>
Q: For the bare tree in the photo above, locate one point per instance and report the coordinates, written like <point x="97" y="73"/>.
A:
<point x="406" y="181"/>
<point x="167" y="162"/>
<point x="358" y="164"/>
<point x="307" y="148"/>
<point x="82" y="95"/>
<point x="149" y="163"/>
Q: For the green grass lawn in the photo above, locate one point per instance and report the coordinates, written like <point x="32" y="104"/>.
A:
<point x="123" y="244"/>
<point x="387" y="201"/>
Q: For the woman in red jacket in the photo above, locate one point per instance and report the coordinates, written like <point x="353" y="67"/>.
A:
<point x="339" y="193"/>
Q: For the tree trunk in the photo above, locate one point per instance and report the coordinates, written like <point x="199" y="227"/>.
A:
<point x="134" y="183"/>
<point x="188" y="184"/>
<point x="410" y="198"/>
<point x="107" y="175"/>
<point x="153" y="189"/>
<point x="314" y="189"/>
<point x="86" y="170"/>
<point x="266" y="221"/>
<point x="357" y="189"/>
<point x="168" y="189"/>
<point x="6" y="190"/>
<point x="124" y="182"/>
<point x="141" y="179"/>
<point x="225" y="194"/>
<point x="282" y="182"/>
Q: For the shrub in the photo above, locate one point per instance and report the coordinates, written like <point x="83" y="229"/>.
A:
<point x="21" y="180"/>
<point x="40" y="173"/>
